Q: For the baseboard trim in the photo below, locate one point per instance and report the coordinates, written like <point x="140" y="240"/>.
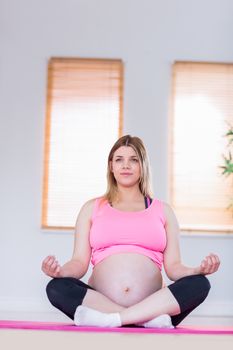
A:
<point x="209" y="308"/>
<point x="25" y="305"/>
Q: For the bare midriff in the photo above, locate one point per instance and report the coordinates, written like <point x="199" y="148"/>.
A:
<point x="126" y="278"/>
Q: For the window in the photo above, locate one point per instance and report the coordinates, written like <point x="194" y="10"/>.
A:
<point x="202" y="107"/>
<point x="83" y="120"/>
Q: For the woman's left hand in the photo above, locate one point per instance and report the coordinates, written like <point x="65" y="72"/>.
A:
<point x="209" y="265"/>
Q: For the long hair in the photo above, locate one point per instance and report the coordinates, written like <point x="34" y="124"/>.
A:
<point x="145" y="177"/>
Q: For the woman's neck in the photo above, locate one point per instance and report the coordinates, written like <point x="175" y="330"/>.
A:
<point x="131" y="194"/>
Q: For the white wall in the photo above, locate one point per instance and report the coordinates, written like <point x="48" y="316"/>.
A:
<point x="148" y="35"/>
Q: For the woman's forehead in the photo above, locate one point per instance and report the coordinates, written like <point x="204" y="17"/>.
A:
<point x="125" y="151"/>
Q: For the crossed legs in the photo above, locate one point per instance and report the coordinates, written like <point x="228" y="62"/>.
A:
<point x="176" y="300"/>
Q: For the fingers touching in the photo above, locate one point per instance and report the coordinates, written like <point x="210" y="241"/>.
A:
<point x="50" y="266"/>
<point x="210" y="264"/>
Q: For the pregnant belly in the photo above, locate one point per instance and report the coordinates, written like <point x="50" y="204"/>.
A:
<point x="126" y="278"/>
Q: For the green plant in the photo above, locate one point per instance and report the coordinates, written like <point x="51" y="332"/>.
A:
<point x="227" y="168"/>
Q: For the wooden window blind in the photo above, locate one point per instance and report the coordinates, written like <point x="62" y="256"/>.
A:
<point x="83" y="120"/>
<point x="202" y="109"/>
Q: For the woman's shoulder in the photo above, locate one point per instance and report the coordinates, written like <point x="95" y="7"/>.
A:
<point x="169" y="214"/>
<point x="89" y="205"/>
<point x="166" y="205"/>
<point x="167" y="208"/>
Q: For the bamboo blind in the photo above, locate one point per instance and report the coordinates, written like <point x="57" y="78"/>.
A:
<point x="83" y="120"/>
<point x="201" y="110"/>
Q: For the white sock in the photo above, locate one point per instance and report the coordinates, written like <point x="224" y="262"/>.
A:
<point x="85" y="316"/>
<point x="162" y="321"/>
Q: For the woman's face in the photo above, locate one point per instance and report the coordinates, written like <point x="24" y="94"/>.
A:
<point x="125" y="166"/>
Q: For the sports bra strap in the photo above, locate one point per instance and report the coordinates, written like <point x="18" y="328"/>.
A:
<point x="148" y="201"/>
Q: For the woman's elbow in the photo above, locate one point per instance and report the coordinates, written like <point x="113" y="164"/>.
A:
<point x="171" y="277"/>
<point x="172" y="271"/>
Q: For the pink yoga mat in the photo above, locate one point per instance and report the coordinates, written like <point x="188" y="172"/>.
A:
<point x="52" y="326"/>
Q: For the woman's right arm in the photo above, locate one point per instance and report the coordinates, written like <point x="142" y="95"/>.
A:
<point x="79" y="263"/>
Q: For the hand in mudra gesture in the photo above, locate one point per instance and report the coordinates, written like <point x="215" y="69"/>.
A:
<point x="209" y="264"/>
<point x="51" y="267"/>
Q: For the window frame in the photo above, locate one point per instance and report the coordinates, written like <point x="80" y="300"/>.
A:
<point x="188" y="229"/>
<point x="47" y="129"/>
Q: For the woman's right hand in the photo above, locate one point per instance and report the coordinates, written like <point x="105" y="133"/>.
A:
<point x="51" y="267"/>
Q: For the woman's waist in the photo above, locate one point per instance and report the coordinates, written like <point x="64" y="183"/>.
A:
<point x="125" y="268"/>
<point x="103" y="253"/>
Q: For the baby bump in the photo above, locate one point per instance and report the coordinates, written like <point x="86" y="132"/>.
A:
<point x="126" y="278"/>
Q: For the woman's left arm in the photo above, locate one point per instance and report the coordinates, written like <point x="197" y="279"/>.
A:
<point x="172" y="259"/>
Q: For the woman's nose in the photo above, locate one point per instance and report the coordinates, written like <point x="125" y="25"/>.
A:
<point x="125" y="164"/>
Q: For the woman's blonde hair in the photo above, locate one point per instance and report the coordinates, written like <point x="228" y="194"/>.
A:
<point x="145" y="178"/>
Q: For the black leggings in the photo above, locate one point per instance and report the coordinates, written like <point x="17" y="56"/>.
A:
<point x="67" y="293"/>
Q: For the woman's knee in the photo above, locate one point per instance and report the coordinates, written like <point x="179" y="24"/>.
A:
<point x="202" y="284"/>
<point x="59" y="289"/>
<point x="190" y="291"/>
<point x="56" y="288"/>
<point x="199" y="287"/>
<point x="53" y="289"/>
<point x="66" y="294"/>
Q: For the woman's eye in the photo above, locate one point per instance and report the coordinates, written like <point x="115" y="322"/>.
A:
<point x="134" y="160"/>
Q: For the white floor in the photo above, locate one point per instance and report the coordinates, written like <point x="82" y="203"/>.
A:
<point x="59" y="317"/>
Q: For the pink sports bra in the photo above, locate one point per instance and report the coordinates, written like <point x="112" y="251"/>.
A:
<point x="114" y="231"/>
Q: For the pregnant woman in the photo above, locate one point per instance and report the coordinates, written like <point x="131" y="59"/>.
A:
<point x="128" y="236"/>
